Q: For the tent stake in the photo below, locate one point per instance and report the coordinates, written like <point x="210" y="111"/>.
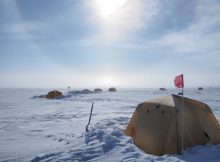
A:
<point x="89" y="117"/>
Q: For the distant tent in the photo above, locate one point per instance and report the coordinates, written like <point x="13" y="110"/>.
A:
<point x="162" y="89"/>
<point x="200" y="88"/>
<point x="158" y="128"/>
<point x="112" y="89"/>
<point x="97" y="90"/>
<point x="54" y="94"/>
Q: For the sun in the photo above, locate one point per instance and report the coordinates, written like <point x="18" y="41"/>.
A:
<point x="108" y="7"/>
<point x="108" y="81"/>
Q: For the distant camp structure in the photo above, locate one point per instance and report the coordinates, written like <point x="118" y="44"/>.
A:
<point x="112" y="89"/>
<point x="200" y="88"/>
<point x="162" y="89"/>
<point x="170" y="124"/>
<point x="54" y="94"/>
<point x="97" y="90"/>
<point x="86" y="91"/>
<point x="83" y="92"/>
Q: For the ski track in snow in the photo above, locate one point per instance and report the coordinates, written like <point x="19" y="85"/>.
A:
<point x="54" y="130"/>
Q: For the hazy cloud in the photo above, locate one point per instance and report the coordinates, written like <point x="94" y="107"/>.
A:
<point x="138" y="42"/>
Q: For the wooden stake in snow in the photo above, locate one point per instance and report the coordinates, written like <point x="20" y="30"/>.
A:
<point x="89" y="117"/>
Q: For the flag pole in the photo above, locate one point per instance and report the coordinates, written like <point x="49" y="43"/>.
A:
<point x="183" y="84"/>
<point x="179" y="83"/>
<point x="182" y="117"/>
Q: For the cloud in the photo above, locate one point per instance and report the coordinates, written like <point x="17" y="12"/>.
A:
<point x="198" y="34"/>
<point x="172" y="15"/>
<point x="189" y="42"/>
<point x="202" y="36"/>
<point x="23" y="30"/>
<point x="177" y="26"/>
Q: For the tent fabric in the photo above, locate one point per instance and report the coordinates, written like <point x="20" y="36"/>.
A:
<point x="170" y="124"/>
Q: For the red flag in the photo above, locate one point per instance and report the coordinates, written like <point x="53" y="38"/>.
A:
<point x="178" y="81"/>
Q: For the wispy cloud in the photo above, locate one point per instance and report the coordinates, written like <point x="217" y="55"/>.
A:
<point x="200" y="35"/>
<point x="24" y="30"/>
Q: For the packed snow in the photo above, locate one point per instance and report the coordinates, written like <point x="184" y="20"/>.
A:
<point x="38" y="129"/>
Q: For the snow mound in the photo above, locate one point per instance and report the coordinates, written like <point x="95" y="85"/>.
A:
<point x="106" y="141"/>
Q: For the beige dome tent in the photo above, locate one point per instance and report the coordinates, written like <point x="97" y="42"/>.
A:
<point x="54" y="94"/>
<point x="171" y="124"/>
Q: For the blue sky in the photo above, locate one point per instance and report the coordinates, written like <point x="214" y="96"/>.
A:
<point x="102" y="43"/>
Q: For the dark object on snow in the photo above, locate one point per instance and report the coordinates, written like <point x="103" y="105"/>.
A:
<point x="162" y="89"/>
<point x="89" y="117"/>
<point x="41" y="96"/>
<point x="86" y="91"/>
<point x="112" y="89"/>
<point x="97" y="90"/>
<point x="200" y="89"/>
<point x="54" y="94"/>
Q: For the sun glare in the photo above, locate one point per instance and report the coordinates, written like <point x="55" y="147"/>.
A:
<point x="108" y="81"/>
<point x="108" y="7"/>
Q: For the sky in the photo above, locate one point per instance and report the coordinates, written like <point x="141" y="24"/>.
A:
<point x="103" y="43"/>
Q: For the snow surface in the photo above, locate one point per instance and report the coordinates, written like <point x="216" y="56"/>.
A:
<point x="54" y="130"/>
